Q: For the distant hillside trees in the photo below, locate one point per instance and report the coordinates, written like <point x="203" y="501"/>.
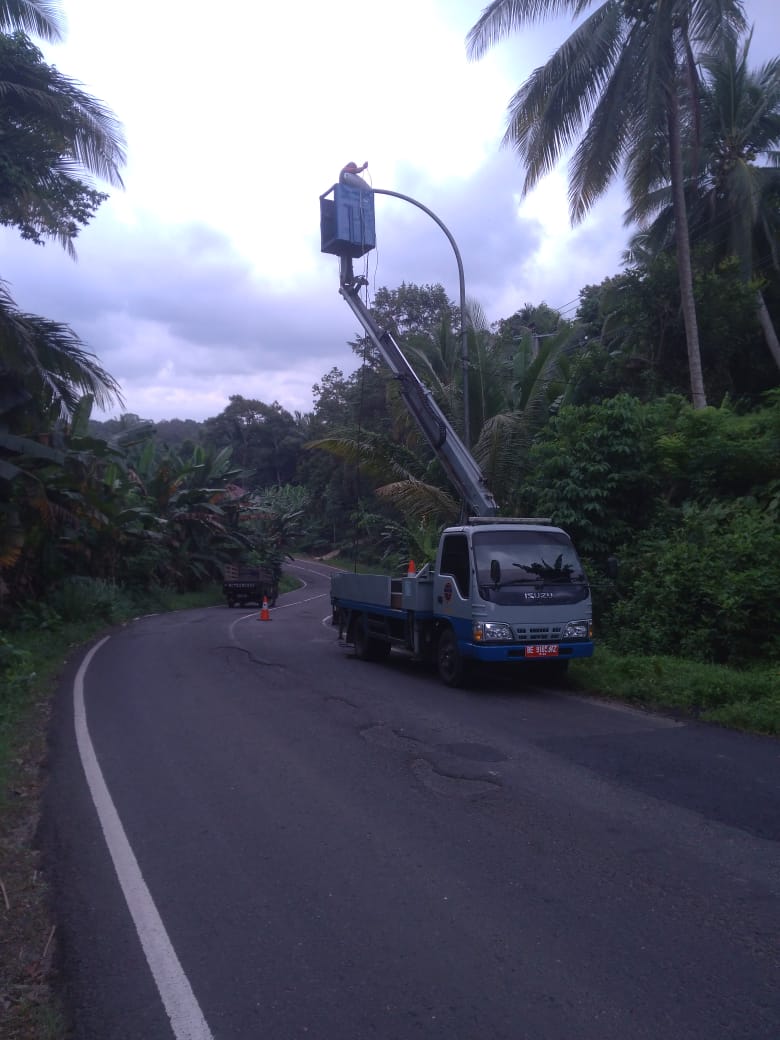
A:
<point x="265" y="440"/>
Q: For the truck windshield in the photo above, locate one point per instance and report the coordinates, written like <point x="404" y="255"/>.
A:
<point x="525" y="561"/>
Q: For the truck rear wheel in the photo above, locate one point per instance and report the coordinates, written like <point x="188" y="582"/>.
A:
<point x="449" y="660"/>
<point x="366" y="647"/>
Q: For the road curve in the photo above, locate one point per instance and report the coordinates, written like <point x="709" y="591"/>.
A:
<point x="342" y="850"/>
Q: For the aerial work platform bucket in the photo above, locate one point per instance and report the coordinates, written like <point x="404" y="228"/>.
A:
<point x="347" y="226"/>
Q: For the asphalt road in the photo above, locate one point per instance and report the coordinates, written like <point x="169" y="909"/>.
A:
<point x="323" y="848"/>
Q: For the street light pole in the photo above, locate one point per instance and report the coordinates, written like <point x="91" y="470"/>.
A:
<point x="464" y="342"/>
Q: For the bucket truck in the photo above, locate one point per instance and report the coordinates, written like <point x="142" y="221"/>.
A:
<point x="507" y="590"/>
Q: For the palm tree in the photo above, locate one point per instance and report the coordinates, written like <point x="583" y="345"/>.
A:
<point x="55" y="137"/>
<point x="513" y="391"/>
<point x="53" y="132"/>
<point x="733" y="202"/>
<point x="620" y="83"/>
<point x="38" y="17"/>
<point x="45" y="371"/>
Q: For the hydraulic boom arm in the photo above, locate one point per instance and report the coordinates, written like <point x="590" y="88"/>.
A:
<point x="458" y="462"/>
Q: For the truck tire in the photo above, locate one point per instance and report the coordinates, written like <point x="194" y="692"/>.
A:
<point x="380" y="650"/>
<point x="367" y="648"/>
<point x="449" y="660"/>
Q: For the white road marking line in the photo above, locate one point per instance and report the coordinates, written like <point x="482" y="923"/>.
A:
<point x="308" y="570"/>
<point x="237" y="621"/>
<point x="182" y="1008"/>
<point x="281" y="606"/>
<point x="297" y="603"/>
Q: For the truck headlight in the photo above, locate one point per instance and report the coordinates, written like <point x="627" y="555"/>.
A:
<point x="578" y="630"/>
<point x="492" y="632"/>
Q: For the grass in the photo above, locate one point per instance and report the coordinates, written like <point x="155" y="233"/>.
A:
<point x="747" y="700"/>
<point x="29" y="667"/>
<point x="29" y="1005"/>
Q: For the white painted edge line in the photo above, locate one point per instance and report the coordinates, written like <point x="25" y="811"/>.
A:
<point x="182" y="1008"/>
<point x="279" y="606"/>
<point x="298" y="602"/>
<point x="309" y="570"/>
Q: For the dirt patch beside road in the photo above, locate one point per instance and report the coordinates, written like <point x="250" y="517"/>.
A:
<point x="29" y="1005"/>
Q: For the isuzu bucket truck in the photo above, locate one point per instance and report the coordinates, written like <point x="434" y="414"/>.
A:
<point x="506" y="590"/>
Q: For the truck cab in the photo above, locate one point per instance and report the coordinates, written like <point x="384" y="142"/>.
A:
<point x="510" y="591"/>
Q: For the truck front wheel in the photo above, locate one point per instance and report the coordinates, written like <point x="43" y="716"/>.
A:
<point x="449" y="659"/>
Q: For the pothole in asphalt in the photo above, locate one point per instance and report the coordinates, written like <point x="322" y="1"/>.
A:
<point x="474" y="752"/>
<point x="386" y="737"/>
<point x="452" y="784"/>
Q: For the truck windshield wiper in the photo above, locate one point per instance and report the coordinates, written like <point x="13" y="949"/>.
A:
<point x="537" y="583"/>
<point x="511" y="581"/>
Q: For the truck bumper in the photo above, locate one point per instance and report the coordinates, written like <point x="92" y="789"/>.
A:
<point x="511" y="653"/>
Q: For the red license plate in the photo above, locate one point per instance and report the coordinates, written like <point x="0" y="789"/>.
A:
<point x="542" y="650"/>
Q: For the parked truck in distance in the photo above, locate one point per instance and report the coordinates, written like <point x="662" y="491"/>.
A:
<point x="243" y="584"/>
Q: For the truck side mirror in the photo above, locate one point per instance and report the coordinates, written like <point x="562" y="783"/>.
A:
<point x="612" y="567"/>
<point x="495" y="572"/>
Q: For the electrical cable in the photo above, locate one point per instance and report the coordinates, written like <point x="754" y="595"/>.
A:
<point x="360" y="408"/>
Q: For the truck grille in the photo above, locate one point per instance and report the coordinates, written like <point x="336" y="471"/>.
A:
<point x="539" y="633"/>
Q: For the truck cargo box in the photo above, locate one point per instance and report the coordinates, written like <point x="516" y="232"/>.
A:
<point x="415" y="592"/>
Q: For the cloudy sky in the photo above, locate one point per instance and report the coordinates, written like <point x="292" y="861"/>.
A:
<point x="203" y="278"/>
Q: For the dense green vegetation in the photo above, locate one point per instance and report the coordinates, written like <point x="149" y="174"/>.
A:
<point x="648" y="426"/>
<point x="600" y="422"/>
<point x="105" y="514"/>
<point x="626" y="88"/>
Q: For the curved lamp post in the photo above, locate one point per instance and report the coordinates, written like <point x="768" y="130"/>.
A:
<point x="464" y="343"/>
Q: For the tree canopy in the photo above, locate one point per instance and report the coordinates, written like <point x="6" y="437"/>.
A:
<point x="616" y="91"/>
<point x="54" y="137"/>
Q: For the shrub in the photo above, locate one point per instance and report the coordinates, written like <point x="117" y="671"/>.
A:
<point x="16" y="670"/>
<point x="596" y="472"/>
<point x="89" y="599"/>
<point x="706" y="590"/>
<point x="722" y="453"/>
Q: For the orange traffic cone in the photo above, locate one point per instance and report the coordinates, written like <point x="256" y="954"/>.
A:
<point x="264" y="612"/>
<point x="412" y="569"/>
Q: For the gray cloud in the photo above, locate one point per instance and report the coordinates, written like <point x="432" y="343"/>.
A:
<point x="178" y="316"/>
<point x="179" y="312"/>
<point x="501" y="248"/>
